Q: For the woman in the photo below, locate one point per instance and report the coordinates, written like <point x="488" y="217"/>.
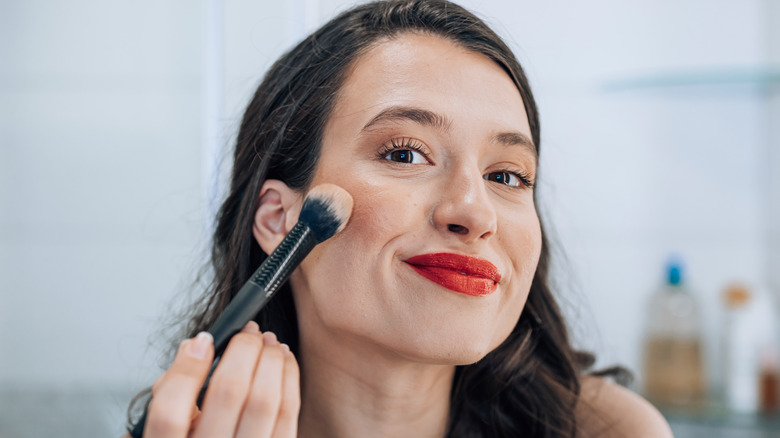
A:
<point x="430" y="314"/>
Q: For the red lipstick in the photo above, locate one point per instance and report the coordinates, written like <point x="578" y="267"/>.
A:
<point x="459" y="273"/>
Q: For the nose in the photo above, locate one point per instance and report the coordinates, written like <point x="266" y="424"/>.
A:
<point x="464" y="208"/>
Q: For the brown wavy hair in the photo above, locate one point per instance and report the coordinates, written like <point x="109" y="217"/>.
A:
<point x="529" y="385"/>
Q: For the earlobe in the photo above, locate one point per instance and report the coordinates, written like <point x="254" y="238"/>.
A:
<point x="277" y="211"/>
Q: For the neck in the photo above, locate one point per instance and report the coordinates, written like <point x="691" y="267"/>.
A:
<point x="361" y="392"/>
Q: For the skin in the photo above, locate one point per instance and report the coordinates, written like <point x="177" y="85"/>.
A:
<point x="378" y="341"/>
<point x="406" y="209"/>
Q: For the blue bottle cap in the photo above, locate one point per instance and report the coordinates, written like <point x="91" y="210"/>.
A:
<point x="674" y="271"/>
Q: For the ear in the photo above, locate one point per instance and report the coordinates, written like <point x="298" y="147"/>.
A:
<point x="277" y="212"/>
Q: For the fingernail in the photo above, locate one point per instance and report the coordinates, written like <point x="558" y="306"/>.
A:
<point x="200" y="345"/>
<point x="269" y="338"/>
<point x="286" y="350"/>
<point x="251" y="327"/>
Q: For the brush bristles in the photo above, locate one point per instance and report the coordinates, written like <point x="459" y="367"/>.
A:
<point x="326" y="210"/>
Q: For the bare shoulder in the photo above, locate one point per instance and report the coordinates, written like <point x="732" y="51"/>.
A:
<point x="606" y="409"/>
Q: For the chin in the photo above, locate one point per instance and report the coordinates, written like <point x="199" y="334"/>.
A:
<point x="450" y="350"/>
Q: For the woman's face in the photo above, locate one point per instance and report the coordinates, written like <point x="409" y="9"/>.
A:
<point x="433" y="143"/>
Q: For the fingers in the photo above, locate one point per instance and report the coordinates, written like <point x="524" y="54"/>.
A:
<point x="254" y="391"/>
<point x="230" y="384"/>
<point x="175" y="392"/>
<point x="274" y="400"/>
<point x="287" y="421"/>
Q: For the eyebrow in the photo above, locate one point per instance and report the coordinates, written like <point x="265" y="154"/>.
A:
<point x="418" y="115"/>
<point x="515" y="138"/>
<point x="429" y="118"/>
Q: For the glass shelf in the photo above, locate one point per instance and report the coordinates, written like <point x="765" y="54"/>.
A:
<point x="717" y="417"/>
<point x="766" y="78"/>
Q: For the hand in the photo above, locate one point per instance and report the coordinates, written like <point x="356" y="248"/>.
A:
<point x="254" y="390"/>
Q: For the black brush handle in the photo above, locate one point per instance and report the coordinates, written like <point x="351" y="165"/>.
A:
<point x="263" y="284"/>
<point x="252" y="297"/>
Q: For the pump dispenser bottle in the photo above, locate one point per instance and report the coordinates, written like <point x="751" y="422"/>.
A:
<point x="674" y="374"/>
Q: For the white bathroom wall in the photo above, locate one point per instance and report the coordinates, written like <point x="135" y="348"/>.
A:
<point x="100" y="188"/>
<point x="773" y="150"/>
<point x="100" y="202"/>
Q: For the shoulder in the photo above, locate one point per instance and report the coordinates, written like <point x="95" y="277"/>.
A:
<point x="608" y="410"/>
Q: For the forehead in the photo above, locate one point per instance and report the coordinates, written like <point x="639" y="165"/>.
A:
<point x="431" y="72"/>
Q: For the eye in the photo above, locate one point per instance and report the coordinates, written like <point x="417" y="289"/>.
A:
<point x="508" y="179"/>
<point x="405" y="156"/>
<point x="404" y="150"/>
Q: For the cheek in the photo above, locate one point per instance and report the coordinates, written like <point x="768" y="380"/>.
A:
<point x="336" y="284"/>
<point x="373" y="217"/>
<point x="379" y="216"/>
<point x="524" y="247"/>
<point x="523" y="243"/>
<point x="532" y="240"/>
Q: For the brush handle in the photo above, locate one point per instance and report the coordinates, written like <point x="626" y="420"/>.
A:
<point x="263" y="284"/>
<point x="252" y="297"/>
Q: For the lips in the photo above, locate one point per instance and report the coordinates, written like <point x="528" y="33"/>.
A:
<point x="458" y="273"/>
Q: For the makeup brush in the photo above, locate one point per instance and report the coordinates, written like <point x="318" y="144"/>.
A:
<point x="325" y="212"/>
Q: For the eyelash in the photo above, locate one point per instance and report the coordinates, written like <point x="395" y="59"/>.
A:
<point x="400" y="144"/>
<point x="408" y="143"/>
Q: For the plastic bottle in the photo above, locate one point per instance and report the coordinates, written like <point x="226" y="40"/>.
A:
<point x="739" y="351"/>
<point x="749" y="354"/>
<point x="769" y="382"/>
<point x="674" y="372"/>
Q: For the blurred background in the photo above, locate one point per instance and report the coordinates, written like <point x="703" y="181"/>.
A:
<point x="660" y="180"/>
